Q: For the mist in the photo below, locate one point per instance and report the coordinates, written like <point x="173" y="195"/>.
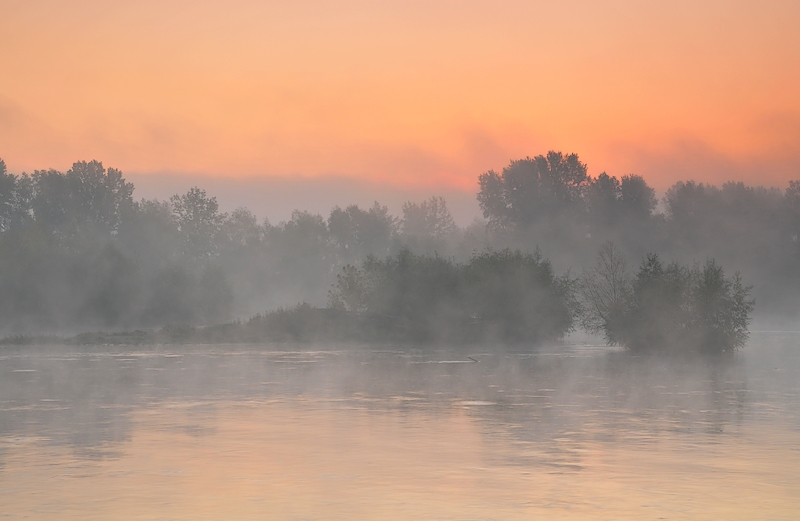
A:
<point x="350" y="431"/>
<point x="365" y="260"/>
<point x="580" y="343"/>
<point x="276" y="197"/>
<point x="82" y="251"/>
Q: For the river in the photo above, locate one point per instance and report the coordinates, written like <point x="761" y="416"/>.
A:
<point x="569" y="431"/>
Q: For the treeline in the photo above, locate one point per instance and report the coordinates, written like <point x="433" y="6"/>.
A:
<point x="511" y="298"/>
<point x="505" y="297"/>
<point x="78" y="251"/>
<point x="551" y="201"/>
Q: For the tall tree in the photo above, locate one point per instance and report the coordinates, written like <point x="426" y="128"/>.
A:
<point x="359" y="232"/>
<point x="792" y="199"/>
<point x="532" y="190"/>
<point x="637" y="199"/>
<point x="428" y="219"/>
<point x="199" y="221"/>
<point x="100" y="196"/>
<point x="8" y="188"/>
<point x="603" y="200"/>
<point x="87" y="199"/>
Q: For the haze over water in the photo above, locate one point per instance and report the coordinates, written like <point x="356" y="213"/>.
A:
<point x="370" y="432"/>
<point x="293" y="181"/>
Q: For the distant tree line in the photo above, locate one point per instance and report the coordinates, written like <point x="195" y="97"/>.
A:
<point x="555" y="193"/>
<point x="78" y="251"/>
<point x="552" y="202"/>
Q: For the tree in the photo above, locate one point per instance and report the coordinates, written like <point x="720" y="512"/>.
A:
<point x="359" y="232"/>
<point x="603" y="200"/>
<point x="507" y="296"/>
<point x="241" y="229"/>
<point x="305" y="234"/>
<point x="613" y="203"/>
<point x="655" y="317"/>
<point x="51" y="202"/>
<point x="669" y="308"/>
<point x="301" y="257"/>
<point x="637" y="199"/>
<point x="105" y="284"/>
<point x="792" y="199"/>
<point x="493" y="201"/>
<point x="532" y="190"/>
<point x="150" y="235"/>
<point x="100" y="197"/>
<point x="429" y="219"/>
<point x="517" y="297"/>
<point x="417" y="292"/>
<point x="15" y="199"/>
<point x="350" y="292"/>
<point x="8" y="186"/>
<point x="199" y="221"/>
<point x="721" y="309"/>
<point x="605" y="292"/>
<point x="85" y="200"/>
<point x="687" y="201"/>
<point x="213" y="295"/>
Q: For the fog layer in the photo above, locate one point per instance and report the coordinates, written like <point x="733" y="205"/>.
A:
<point x="79" y="251"/>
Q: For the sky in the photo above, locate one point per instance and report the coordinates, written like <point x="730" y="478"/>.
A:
<point x="399" y="98"/>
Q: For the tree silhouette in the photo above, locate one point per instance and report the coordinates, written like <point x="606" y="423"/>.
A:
<point x="359" y="232"/>
<point x="199" y="221"/>
<point x="638" y="200"/>
<point x="665" y="308"/>
<point x="532" y="190"/>
<point x="605" y="293"/>
<point x="429" y="219"/>
<point x="100" y="197"/>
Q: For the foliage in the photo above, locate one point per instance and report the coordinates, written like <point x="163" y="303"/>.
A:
<point x="505" y="295"/>
<point x="604" y="293"/>
<point x="665" y="308"/>
<point x="517" y="296"/>
<point x="77" y="251"/>
<point x="88" y="199"/>
<point x="550" y="189"/>
<point x="199" y="221"/>
<point x="611" y="202"/>
<point x="359" y="232"/>
<point x="429" y="220"/>
<point x="531" y="189"/>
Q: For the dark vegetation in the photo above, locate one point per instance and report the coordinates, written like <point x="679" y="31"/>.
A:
<point x="503" y="296"/>
<point x="78" y="252"/>
<point x="665" y="308"/>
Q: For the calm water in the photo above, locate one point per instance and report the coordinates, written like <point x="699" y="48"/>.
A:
<point x="343" y="432"/>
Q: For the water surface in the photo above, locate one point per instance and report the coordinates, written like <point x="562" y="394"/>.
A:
<point x="370" y="432"/>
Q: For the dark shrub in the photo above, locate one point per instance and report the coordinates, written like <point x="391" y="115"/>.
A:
<point x="505" y="295"/>
<point x="672" y="308"/>
<point x="516" y="296"/>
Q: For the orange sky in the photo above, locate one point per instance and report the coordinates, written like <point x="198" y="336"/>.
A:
<point x="407" y="93"/>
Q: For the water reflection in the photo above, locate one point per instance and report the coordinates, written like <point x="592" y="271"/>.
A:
<point x="357" y="431"/>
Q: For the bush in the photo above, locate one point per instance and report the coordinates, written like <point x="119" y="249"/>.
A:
<point x="517" y="297"/>
<point x="672" y="308"/>
<point x="506" y="296"/>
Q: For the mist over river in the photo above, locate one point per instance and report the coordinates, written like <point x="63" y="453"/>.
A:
<point x="374" y="432"/>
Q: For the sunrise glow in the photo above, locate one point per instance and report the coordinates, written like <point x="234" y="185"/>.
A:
<point x="421" y="94"/>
